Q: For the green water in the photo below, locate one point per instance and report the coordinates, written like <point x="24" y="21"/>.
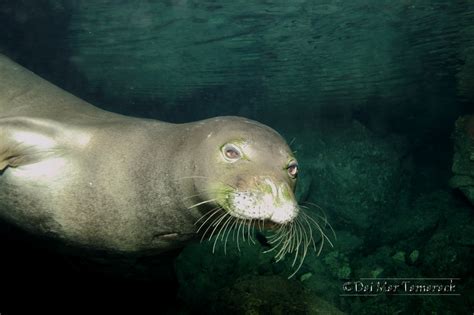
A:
<point x="368" y="93"/>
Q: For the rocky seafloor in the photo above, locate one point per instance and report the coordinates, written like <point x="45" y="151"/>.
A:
<point x="390" y="221"/>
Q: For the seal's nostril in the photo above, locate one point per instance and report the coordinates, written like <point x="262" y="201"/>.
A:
<point x="271" y="185"/>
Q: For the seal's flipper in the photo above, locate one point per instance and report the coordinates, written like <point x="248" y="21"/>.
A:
<point x="26" y="140"/>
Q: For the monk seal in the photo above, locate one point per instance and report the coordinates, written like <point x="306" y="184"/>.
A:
<point x="100" y="180"/>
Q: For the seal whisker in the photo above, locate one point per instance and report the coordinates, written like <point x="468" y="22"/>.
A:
<point x="243" y="230"/>
<point x="326" y="223"/>
<point x="299" y="232"/>
<point x="238" y="231"/>
<point x="249" y="234"/>
<point x="313" y="204"/>
<point x="323" y="235"/>
<point x="324" y="218"/>
<point x="306" y="240"/>
<point x="272" y="239"/>
<point x="289" y="240"/>
<point x="281" y="228"/>
<point x="234" y="230"/>
<point x="286" y="241"/>
<point x="200" y="194"/>
<point x="234" y="222"/>
<point x="277" y="236"/>
<point x="196" y="195"/>
<point x="212" y="224"/>
<point x="209" y="215"/>
<point x="192" y="177"/>
<point x="229" y="226"/>
<point x="321" y="246"/>
<point x="303" y="256"/>
<point x="317" y="223"/>
<point x="248" y="230"/>
<point x="223" y="227"/>
<point x="311" y="238"/>
<point x="231" y="221"/>
<point x="297" y="242"/>
<point x="212" y="211"/>
<point x="286" y="238"/>
<point x="292" y="141"/>
<point x="205" y="177"/>
<point x="291" y="237"/>
<point x="310" y="221"/>
<point x="295" y="239"/>
<point x="253" y="223"/>
<point x="189" y="197"/>
<point x="277" y="233"/>
<point x="216" y="224"/>
<point x="275" y="239"/>
<point x="274" y="247"/>
<point x="202" y="202"/>
<point x="282" y="239"/>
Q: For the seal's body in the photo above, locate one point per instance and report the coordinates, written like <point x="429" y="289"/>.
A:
<point x="88" y="176"/>
<point x="105" y="181"/>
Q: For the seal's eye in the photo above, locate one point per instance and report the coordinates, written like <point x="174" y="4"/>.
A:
<point x="293" y="169"/>
<point x="231" y="152"/>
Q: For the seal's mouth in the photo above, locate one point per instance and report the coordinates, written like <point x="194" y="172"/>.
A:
<point x="260" y="206"/>
<point x="265" y="201"/>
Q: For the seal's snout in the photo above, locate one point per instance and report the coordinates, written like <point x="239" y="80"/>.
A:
<point x="284" y="208"/>
<point x="265" y="200"/>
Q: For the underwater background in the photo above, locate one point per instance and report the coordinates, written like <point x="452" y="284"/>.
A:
<point x="373" y="95"/>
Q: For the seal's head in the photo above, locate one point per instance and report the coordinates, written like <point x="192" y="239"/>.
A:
<point x="251" y="171"/>
<point x="247" y="173"/>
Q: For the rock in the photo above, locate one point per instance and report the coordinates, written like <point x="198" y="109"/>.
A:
<point x="356" y="174"/>
<point x="463" y="161"/>
<point x="305" y="276"/>
<point x="399" y="256"/>
<point x="424" y="215"/>
<point x="414" y="256"/>
<point x="376" y="272"/>
<point x="338" y="265"/>
<point x="200" y="272"/>
<point x="348" y="243"/>
<point x="269" y="295"/>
